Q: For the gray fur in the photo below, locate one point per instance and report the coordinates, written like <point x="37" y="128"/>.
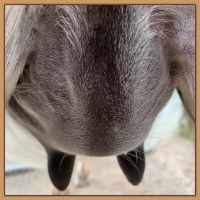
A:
<point x="96" y="77"/>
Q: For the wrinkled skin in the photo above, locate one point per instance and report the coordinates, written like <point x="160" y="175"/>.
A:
<point x="98" y="80"/>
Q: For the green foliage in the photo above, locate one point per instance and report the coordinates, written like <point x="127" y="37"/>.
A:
<point x="185" y="129"/>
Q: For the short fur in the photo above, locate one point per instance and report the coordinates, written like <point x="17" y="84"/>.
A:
<point x="91" y="80"/>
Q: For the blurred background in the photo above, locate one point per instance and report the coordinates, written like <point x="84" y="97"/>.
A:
<point x="170" y="162"/>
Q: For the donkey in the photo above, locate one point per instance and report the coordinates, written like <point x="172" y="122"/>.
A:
<point x="91" y="79"/>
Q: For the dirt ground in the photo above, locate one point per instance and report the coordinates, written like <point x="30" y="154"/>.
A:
<point x="170" y="170"/>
